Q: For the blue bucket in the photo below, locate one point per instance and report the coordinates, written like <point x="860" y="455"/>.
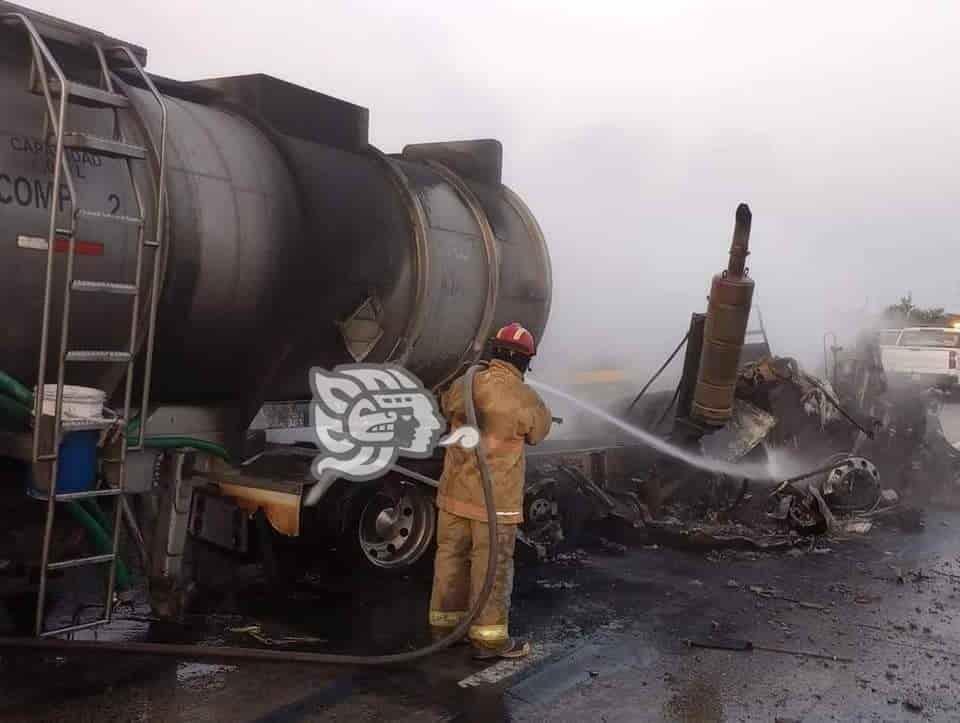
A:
<point x="77" y="471"/>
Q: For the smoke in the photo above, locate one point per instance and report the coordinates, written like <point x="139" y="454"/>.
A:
<point x="634" y="129"/>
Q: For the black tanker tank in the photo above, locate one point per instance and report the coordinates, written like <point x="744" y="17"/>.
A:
<point x="289" y="241"/>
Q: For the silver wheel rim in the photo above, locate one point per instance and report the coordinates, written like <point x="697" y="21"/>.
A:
<point x="394" y="533"/>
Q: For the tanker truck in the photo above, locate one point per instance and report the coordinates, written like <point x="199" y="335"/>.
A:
<point x="175" y="257"/>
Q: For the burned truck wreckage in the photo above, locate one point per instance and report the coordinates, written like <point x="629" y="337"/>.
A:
<point x="840" y="451"/>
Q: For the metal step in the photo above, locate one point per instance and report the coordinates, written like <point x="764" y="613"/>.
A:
<point x="83" y="355"/>
<point x="74" y="628"/>
<point x="80" y="561"/>
<point x="98" y="146"/>
<point x="102" y="216"/>
<point x="86" y="95"/>
<point x="70" y="496"/>
<point x="104" y="287"/>
<point x="70" y="424"/>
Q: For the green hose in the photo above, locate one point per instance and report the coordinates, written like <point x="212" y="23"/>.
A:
<point x="175" y="442"/>
<point x="16" y="403"/>
<point x="133" y="427"/>
<point x="101" y="540"/>
<point x="15" y="390"/>
<point x="93" y="508"/>
<point x="14" y="414"/>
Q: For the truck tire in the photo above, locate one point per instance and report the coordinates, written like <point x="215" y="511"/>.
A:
<point x="390" y="529"/>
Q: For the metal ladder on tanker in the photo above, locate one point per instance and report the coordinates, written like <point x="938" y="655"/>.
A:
<point x="69" y="92"/>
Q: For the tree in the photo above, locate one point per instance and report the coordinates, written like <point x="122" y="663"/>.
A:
<point x="903" y="309"/>
<point x="906" y="312"/>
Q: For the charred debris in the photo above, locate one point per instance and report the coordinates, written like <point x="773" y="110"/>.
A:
<point x="844" y="451"/>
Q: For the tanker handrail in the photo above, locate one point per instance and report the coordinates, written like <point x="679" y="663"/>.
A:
<point x="158" y="229"/>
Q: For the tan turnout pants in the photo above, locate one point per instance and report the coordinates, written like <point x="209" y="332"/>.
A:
<point x="459" y="571"/>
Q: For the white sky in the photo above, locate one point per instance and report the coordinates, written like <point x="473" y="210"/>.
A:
<point x="633" y="129"/>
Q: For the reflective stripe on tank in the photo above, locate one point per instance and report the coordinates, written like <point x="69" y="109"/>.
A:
<point x="61" y="245"/>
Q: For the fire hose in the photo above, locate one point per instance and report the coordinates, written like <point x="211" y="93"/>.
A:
<point x="206" y="652"/>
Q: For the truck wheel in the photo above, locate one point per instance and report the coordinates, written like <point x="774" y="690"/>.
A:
<point x="392" y="527"/>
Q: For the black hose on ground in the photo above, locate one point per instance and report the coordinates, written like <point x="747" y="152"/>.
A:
<point x="666" y="411"/>
<point x="205" y="652"/>
<point x="659" y="371"/>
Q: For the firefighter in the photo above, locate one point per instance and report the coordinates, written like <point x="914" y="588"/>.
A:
<point x="510" y="414"/>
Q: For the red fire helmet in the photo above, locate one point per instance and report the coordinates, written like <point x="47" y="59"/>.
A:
<point x="515" y="336"/>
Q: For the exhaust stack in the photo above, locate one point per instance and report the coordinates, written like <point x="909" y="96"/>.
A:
<point x="728" y="311"/>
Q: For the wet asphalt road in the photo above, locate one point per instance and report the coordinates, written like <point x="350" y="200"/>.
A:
<point x="609" y="629"/>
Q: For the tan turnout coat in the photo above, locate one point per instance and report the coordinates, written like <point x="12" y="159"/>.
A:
<point x="510" y="414"/>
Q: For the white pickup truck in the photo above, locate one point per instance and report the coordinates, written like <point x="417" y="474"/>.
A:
<point x="926" y="355"/>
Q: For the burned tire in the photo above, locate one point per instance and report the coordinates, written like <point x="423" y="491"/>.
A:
<point x="391" y="529"/>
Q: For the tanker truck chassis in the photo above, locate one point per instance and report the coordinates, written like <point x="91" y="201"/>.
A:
<point x="188" y="251"/>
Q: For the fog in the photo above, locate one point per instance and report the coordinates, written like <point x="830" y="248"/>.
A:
<point x="633" y="129"/>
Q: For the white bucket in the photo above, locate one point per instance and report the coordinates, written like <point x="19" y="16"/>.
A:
<point x="78" y="402"/>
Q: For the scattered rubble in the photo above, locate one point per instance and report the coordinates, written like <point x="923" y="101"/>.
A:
<point x="772" y="593"/>
<point x="256" y="632"/>
<point x="914" y="706"/>
<point x="557" y="584"/>
<point x="736" y="644"/>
